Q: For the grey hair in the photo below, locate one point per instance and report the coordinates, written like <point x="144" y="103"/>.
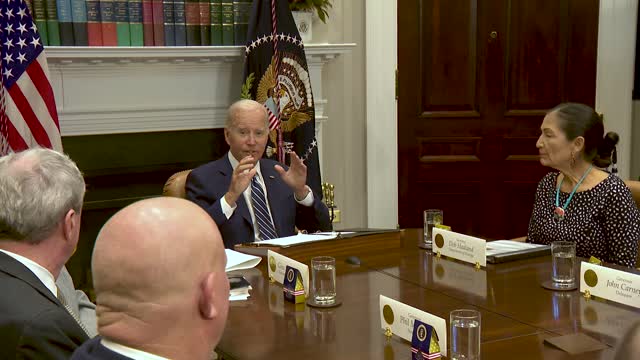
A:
<point x="37" y="188"/>
<point x="244" y="105"/>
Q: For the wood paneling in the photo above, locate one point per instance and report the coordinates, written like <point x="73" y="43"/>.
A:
<point x="475" y="80"/>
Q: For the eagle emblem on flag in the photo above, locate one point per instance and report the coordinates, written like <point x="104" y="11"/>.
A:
<point x="294" y="93"/>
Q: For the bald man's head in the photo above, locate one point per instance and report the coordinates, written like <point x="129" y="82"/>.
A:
<point x="160" y="262"/>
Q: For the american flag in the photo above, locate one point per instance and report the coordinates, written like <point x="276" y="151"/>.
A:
<point x="28" y="115"/>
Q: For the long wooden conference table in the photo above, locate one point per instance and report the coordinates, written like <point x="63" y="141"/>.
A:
<point x="517" y="313"/>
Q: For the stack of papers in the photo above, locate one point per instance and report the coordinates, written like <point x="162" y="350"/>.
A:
<point x="239" y="285"/>
<point x="239" y="288"/>
<point x="506" y="246"/>
<point x="508" y="250"/>
<point x="299" y="239"/>
<point x="239" y="261"/>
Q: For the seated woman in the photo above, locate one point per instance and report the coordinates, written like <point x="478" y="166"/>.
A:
<point x="580" y="202"/>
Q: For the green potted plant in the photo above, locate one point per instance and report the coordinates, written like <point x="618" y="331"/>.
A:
<point x="320" y="6"/>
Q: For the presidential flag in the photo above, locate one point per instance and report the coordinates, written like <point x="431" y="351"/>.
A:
<point x="277" y="76"/>
<point x="28" y="115"/>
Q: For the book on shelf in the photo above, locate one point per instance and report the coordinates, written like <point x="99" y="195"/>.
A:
<point x="30" y="8"/>
<point x="227" y="22"/>
<point x="180" y="22"/>
<point x="147" y="22"/>
<point x="192" y="14"/>
<point x="40" y="19"/>
<point x="169" y="22"/>
<point x="121" y="16"/>
<point x="216" y="21"/>
<point x="108" y="23"/>
<point x="79" y="22"/>
<point x="158" y="22"/>
<point x="94" y="27"/>
<point x="241" y="13"/>
<point x="53" y="26"/>
<point x="205" y="22"/>
<point x="135" y="23"/>
<point x="65" y="22"/>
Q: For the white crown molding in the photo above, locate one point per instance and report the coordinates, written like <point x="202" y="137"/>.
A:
<point x="175" y="54"/>
<point x="110" y="90"/>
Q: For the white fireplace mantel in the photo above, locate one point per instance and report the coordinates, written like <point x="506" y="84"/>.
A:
<point x="110" y="90"/>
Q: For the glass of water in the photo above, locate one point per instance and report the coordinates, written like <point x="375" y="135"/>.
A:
<point x="323" y="279"/>
<point x="563" y="257"/>
<point x="432" y="217"/>
<point x="465" y="334"/>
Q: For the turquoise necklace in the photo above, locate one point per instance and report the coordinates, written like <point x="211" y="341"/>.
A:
<point x="559" y="212"/>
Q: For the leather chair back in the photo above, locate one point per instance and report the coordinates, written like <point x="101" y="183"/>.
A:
<point x="634" y="186"/>
<point x="175" y="184"/>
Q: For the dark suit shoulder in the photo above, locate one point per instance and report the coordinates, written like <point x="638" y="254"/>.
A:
<point x="222" y="164"/>
<point x="31" y="324"/>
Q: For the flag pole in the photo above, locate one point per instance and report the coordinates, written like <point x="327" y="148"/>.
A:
<point x="276" y="91"/>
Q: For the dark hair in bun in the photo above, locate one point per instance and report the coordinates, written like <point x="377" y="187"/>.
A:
<point x="606" y="148"/>
<point x="582" y="120"/>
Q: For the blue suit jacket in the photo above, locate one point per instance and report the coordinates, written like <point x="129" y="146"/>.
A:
<point x="207" y="184"/>
<point x="94" y="350"/>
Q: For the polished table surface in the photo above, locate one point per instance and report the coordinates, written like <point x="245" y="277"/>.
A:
<point x="517" y="313"/>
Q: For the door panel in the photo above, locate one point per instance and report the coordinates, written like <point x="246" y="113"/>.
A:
<point x="475" y="80"/>
<point x="448" y="59"/>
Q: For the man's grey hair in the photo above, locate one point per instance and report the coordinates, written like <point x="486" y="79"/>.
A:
<point x="244" y="105"/>
<point x="37" y="188"/>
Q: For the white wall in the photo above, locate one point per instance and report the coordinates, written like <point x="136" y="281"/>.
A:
<point x="344" y="157"/>
<point x="635" y="141"/>
<point x="614" y="81"/>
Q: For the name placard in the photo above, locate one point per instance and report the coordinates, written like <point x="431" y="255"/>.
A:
<point x="611" y="284"/>
<point x="399" y="318"/>
<point x="278" y="264"/>
<point x="459" y="246"/>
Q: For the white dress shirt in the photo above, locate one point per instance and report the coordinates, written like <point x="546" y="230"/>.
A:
<point x="228" y="210"/>
<point x="38" y="270"/>
<point x="129" y="352"/>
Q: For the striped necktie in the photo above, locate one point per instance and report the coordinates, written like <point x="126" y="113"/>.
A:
<point x="259" y="203"/>
<point x="65" y="304"/>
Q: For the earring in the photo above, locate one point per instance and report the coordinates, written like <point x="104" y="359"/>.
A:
<point x="573" y="160"/>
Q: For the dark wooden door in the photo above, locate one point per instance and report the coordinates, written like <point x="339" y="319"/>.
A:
<point x="475" y="80"/>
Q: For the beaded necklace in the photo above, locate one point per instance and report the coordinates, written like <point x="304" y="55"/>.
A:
<point x="559" y="212"/>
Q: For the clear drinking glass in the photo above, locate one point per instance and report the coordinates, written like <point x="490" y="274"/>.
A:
<point x="563" y="254"/>
<point x="465" y="334"/>
<point x="432" y="217"/>
<point x="323" y="279"/>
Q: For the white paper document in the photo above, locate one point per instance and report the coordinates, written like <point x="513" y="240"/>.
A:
<point x="239" y="261"/>
<point x="507" y="246"/>
<point x="298" y="239"/>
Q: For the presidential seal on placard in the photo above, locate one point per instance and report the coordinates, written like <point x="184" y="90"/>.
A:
<point x="272" y="263"/>
<point x="387" y="313"/>
<point x="590" y="278"/>
<point x="290" y="275"/>
<point x="422" y="332"/>
<point x="439" y="241"/>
